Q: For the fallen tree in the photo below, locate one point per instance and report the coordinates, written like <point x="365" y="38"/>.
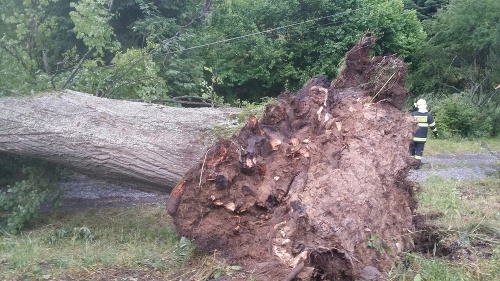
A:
<point x="317" y="188"/>
<point x="145" y="145"/>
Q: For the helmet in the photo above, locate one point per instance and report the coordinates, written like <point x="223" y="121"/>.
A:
<point x="421" y="104"/>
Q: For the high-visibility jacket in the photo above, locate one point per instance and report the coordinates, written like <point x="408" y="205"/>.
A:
<point x="425" y="121"/>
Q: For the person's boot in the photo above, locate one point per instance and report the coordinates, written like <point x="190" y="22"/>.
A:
<point x="415" y="163"/>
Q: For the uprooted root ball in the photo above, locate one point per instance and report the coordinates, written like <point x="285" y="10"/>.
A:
<point x="318" y="183"/>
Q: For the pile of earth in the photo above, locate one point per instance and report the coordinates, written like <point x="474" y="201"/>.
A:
<point x="316" y="189"/>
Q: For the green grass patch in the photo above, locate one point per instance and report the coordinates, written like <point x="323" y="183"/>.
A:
<point x="247" y="109"/>
<point x="469" y="225"/>
<point x="137" y="239"/>
<point x="460" y="146"/>
<point x="462" y="202"/>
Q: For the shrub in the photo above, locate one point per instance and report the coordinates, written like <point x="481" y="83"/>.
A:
<point x="456" y="116"/>
<point x="25" y="184"/>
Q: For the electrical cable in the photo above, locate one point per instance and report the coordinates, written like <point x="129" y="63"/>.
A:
<point x="282" y="27"/>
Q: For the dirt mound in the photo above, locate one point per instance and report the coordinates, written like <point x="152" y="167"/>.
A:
<point x="315" y="190"/>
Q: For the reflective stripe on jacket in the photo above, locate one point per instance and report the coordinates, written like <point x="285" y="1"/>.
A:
<point x="424" y="120"/>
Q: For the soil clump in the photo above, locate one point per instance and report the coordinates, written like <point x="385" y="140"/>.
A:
<point x="316" y="189"/>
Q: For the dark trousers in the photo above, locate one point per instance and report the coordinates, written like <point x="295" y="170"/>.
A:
<point x="417" y="149"/>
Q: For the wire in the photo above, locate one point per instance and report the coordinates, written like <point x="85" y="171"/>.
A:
<point x="284" y="27"/>
<point x="271" y="29"/>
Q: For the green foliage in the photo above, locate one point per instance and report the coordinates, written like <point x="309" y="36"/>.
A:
<point x="398" y="29"/>
<point x="91" y="19"/>
<point x="456" y="115"/>
<point x="165" y="28"/>
<point x="82" y="233"/>
<point x="39" y="51"/>
<point x="425" y="8"/>
<point x="132" y="75"/>
<point x="207" y="87"/>
<point x="25" y="184"/>
<point x="462" y="54"/>
<point x="381" y="246"/>
<point x="26" y="29"/>
<point x="284" y="44"/>
<point x="273" y="46"/>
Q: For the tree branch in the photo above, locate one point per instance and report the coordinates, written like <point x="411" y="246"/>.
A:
<point x="14" y="54"/>
<point x="75" y="70"/>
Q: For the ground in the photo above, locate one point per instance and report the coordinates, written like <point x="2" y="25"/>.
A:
<point x="319" y="187"/>
<point x="86" y="192"/>
<point x="458" y="167"/>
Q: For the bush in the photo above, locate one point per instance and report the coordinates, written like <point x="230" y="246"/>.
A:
<point x="456" y="116"/>
<point x="25" y="184"/>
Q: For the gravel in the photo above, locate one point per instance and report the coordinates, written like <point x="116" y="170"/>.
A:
<point x="86" y="192"/>
<point x="458" y="167"/>
<point x="80" y="186"/>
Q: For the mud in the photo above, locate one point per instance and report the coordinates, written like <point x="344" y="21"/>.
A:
<point x="319" y="181"/>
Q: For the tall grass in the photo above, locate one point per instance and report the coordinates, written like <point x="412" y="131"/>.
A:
<point x="458" y="145"/>
<point x="89" y="243"/>
<point x="467" y="216"/>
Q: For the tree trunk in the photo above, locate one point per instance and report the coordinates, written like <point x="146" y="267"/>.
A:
<point x="145" y="145"/>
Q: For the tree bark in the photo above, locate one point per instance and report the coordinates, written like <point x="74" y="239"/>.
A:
<point x="145" y="145"/>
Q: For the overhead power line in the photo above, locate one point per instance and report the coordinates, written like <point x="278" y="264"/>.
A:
<point x="282" y="27"/>
<point x="260" y="32"/>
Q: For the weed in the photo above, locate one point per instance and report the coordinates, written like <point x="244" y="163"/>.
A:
<point x="138" y="238"/>
<point x="377" y="243"/>
<point x="469" y="229"/>
<point x="457" y="145"/>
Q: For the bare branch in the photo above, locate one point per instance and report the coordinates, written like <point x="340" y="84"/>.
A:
<point x="75" y="70"/>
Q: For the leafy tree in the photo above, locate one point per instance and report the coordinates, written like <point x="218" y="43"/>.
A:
<point x="68" y="44"/>
<point x="463" y="52"/>
<point x="263" y="47"/>
<point x="398" y="29"/>
<point x="91" y="19"/>
<point x="457" y="116"/>
<point x="26" y="29"/>
<point x="425" y="8"/>
<point x="171" y="26"/>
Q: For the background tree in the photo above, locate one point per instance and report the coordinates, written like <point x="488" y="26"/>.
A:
<point x="458" y="68"/>
<point x="462" y="53"/>
<point x="164" y="28"/>
<point x="26" y="27"/>
<point x="425" y="9"/>
<point x="264" y="47"/>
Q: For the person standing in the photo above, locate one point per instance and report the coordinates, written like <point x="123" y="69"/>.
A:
<point x="425" y="120"/>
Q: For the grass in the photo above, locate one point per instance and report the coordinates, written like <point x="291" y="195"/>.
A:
<point x="247" y="109"/>
<point x="90" y="243"/>
<point x="469" y="224"/>
<point x="140" y="243"/>
<point x="462" y="203"/>
<point x="460" y="146"/>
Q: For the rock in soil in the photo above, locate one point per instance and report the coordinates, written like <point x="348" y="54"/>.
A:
<point x="320" y="179"/>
